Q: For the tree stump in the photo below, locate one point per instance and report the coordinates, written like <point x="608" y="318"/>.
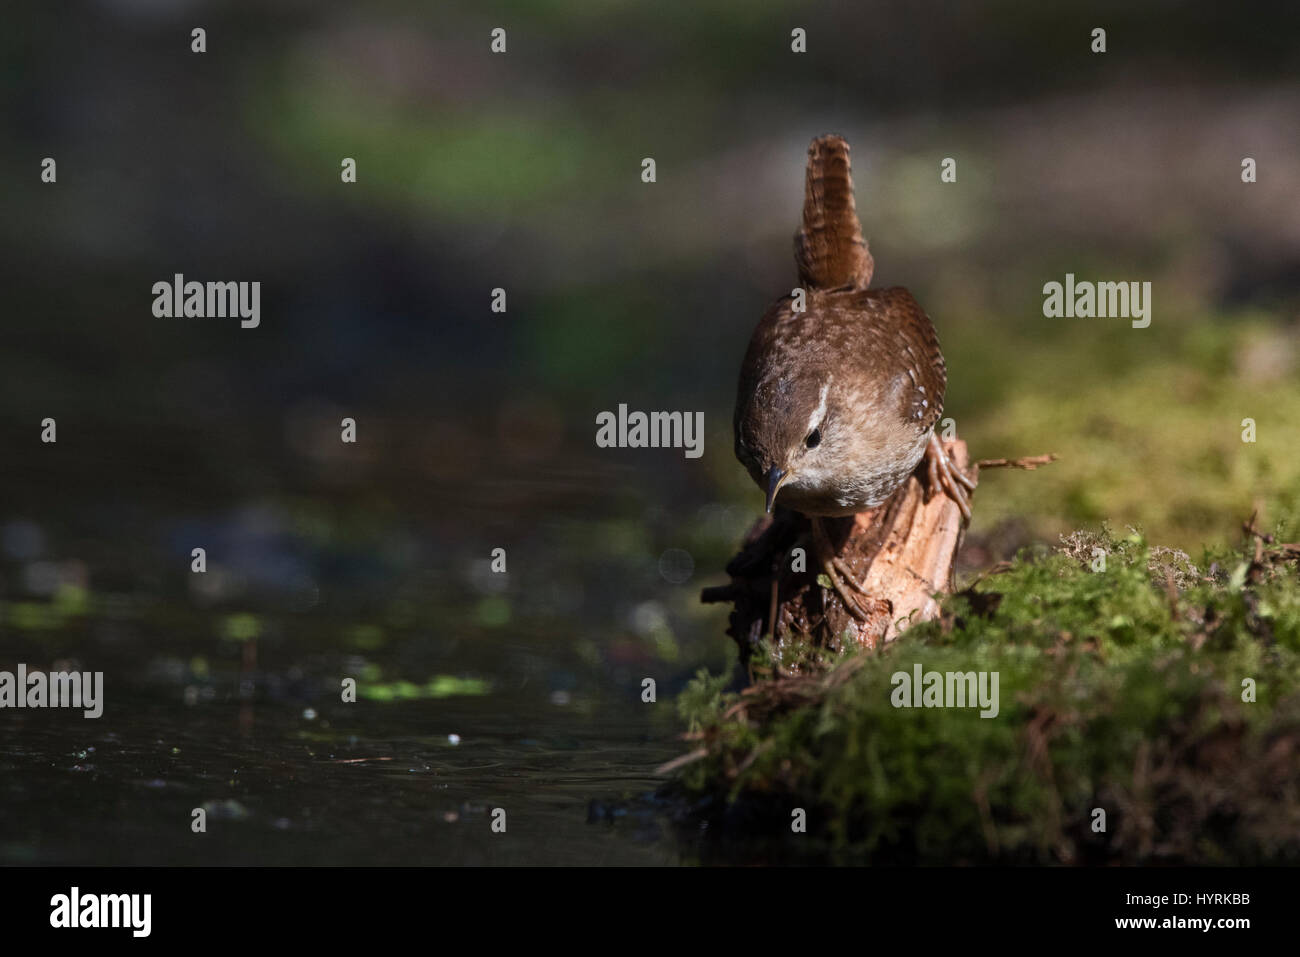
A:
<point x="902" y="552"/>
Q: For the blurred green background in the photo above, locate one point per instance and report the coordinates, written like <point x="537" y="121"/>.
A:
<point x="476" y="429"/>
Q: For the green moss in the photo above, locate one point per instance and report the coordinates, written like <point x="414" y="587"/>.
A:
<point x="1119" y="690"/>
<point x="1149" y="429"/>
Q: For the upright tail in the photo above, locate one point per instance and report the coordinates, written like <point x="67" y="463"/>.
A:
<point x="829" y="248"/>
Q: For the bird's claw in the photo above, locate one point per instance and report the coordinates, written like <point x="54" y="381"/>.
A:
<point x="860" y="605"/>
<point x="943" y="474"/>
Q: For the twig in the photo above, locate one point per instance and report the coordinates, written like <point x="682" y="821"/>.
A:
<point x="753" y="756"/>
<point x="997" y="569"/>
<point x="1283" y="551"/>
<point x="774" y="605"/>
<point x="1029" y="462"/>
<point x="718" y="593"/>
<point x="680" y="762"/>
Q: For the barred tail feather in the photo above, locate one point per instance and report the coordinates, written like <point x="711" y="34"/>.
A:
<point x="829" y="249"/>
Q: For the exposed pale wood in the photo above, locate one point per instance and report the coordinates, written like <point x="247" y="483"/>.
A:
<point x="917" y="558"/>
<point x="902" y="551"/>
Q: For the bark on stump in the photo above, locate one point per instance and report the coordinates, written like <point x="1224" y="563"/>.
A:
<point x="902" y="551"/>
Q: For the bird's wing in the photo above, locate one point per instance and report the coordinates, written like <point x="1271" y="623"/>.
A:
<point x="909" y="346"/>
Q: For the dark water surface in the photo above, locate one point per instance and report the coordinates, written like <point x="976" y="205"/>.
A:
<point x="476" y="690"/>
<point x="280" y="789"/>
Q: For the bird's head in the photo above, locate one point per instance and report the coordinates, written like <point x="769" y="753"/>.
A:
<point x="786" y="435"/>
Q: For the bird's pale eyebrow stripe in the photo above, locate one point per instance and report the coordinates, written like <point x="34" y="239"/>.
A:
<point x="821" y="406"/>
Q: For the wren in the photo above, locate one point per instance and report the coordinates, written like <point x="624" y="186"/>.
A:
<point x="837" y="403"/>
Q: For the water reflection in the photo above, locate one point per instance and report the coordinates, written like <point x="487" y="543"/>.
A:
<point x="224" y="689"/>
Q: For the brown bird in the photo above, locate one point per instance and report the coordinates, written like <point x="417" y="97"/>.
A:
<point x="837" y="403"/>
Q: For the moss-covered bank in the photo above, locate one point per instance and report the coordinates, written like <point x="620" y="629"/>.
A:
<point x="1125" y="689"/>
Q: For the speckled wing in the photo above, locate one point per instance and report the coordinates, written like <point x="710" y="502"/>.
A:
<point x="905" y="338"/>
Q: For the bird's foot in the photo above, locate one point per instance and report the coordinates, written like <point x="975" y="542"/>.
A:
<point x="855" y="597"/>
<point x="945" y="475"/>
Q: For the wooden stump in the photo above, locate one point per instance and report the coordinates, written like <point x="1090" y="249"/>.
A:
<point x="902" y="551"/>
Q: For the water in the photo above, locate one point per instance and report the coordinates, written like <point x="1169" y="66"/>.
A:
<point x="388" y="788"/>
<point x="477" y="690"/>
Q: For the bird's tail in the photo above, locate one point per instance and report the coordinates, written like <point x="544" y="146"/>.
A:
<point x="829" y="248"/>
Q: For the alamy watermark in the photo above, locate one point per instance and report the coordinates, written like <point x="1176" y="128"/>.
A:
<point x="951" y="689"/>
<point x="75" y="909"/>
<point x="211" y="300"/>
<point x="651" y="430"/>
<point x="55" y="689"/>
<point x="1100" y="300"/>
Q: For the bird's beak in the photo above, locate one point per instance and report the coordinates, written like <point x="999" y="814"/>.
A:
<point x="775" y="477"/>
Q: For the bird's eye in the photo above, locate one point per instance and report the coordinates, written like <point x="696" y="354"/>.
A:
<point x="814" y="439"/>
